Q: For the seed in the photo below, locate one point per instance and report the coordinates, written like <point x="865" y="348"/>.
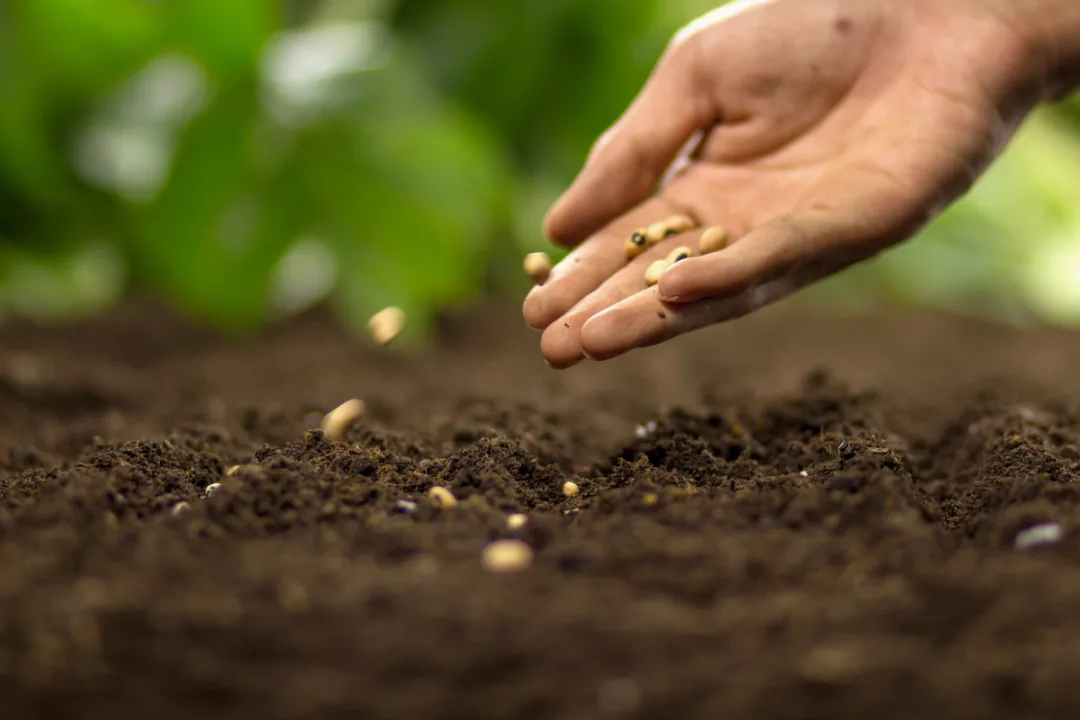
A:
<point x="650" y="499"/>
<point x="516" y="521"/>
<point x="636" y="243"/>
<point x="570" y="489"/>
<point x="336" y="422"/>
<point x="680" y="224"/>
<point x="211" y="489"/>
<point x="507" y="556"/>
<point x="657" y="232"/>
<point x="654" y="271"/>
<point x="232" y="470"/>
<point x="442" y="497"/>
<point x="538" y="267"/>
<point x="713" y="239"/>
<point x="678" y="254"/>
<point x="179" y="507"/>
<point x="1044" y="534"/>
<point x="385" y="325"/>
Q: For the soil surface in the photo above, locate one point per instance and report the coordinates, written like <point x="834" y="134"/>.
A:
<point x="790" y="516"/>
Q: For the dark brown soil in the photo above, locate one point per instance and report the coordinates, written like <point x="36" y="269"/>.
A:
<point x="786" y="517"/>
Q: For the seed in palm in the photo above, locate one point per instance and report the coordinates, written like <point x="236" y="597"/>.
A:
<point x="714" y="238"/>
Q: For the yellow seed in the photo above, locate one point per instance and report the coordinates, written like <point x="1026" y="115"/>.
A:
<point x="680" y="224"/>
<point x="232" y="470"/>
<point x="636" y="243"/>
<point x="654" y="271"/>
<point x="338" y="421"/>
<point x="385" y="325"/>
<point x="211" y="489"/>
<point x="443" y="497"/>
<point x="713" y="239"/>
<point x="678" y="254"/>
<point x="516" y="521"/>
<point x="507" y="556"/>
<point x="656" y="232"/>
<point x="180" y="507"/>
<point x="650" y="499"/>
<point x="538" y="267"/>
<point x="570" y="489"/>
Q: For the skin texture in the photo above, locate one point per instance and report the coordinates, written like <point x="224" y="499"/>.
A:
<point x="827" y="131"/>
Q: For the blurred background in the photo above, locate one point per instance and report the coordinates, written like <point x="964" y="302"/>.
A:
<point x="248" y="159"/>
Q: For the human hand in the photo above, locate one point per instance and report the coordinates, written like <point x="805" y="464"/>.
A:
<point x="831" y="129"/>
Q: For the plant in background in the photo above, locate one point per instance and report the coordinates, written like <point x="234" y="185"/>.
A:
<point x="247" y="159"/>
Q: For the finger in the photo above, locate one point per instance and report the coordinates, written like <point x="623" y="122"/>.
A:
<point x="777" y="248"/>
<point x="628" y="161"/>
<point x="587" y="266"/>
<point x="644" y="319"/>
<point x="561" y="342"/>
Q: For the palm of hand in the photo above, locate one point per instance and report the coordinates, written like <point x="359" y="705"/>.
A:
<point x="832" y="130"/>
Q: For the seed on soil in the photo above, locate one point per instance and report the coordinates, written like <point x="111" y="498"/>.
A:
<point x="211" y="489"/>
<point x="713" y="239"/>
<point x="231" y="470"/>
<point x="442" y="497"/>
<point x="507" y="556"/>
<point x="385" y="325"/>
<point x="338" y="421"/>
<point x="1044" y="534"/>
<point x="654" y="271"/>
<point x="636" y="243"/>
<point x="538" y="267"/>
<point x="516" y="521"/>
<point x="180" y="507"/>
<point x="650" y="499"/>
<point x="678" y="255"/>
<point x="405" y="506"/>
<point x="570" y="488"/>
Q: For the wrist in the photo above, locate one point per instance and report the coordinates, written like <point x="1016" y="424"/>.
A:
<point x="1051" y="31"/>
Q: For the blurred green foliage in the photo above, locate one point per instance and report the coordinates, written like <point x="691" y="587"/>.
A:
<point x="245" y="158"/>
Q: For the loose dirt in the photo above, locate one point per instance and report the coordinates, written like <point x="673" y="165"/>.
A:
<point x="789" y="516"/>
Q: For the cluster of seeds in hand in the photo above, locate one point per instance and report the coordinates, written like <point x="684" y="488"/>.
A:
<point x="644" y="238"/>
<point x="711" y="239"/>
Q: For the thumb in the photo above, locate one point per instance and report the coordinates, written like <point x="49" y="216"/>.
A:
<point x="629" y="160"/>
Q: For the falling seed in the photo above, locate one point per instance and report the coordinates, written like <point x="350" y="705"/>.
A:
<point x="1044" y="534"/>
<point x="442" y="497"/>
<point x="337" y="422"/>
<point x="570" y="489"/>
<point x="654" y="271"/>
<point x="713" y="239"/>
<point x="507" y="556"/>
<point x="179" y="507"/>
<point x="538" y="267"/>
<point x="385" y="325"/>
<point x="636" y="243"/>
<point x="211" y="489"/>
<point x="516" y="521"/>
<point x="650" y="499"/>
<point x="232" y="470"/>
<point x="678" y="255"/>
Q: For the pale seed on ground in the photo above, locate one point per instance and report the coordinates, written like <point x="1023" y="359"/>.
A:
<point x="507" y="556"/>
<point x="212" y="488"/>
<point x="713" y="239"/>
<point x="538" y="267"/>
<point x="179" y="507"/>
<point x="443" y="497"/>
<point x="516" y="521"/>
<point x="570" y="489"/>
<point x="385" y="325"/>
<point x="338" y="421"/>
